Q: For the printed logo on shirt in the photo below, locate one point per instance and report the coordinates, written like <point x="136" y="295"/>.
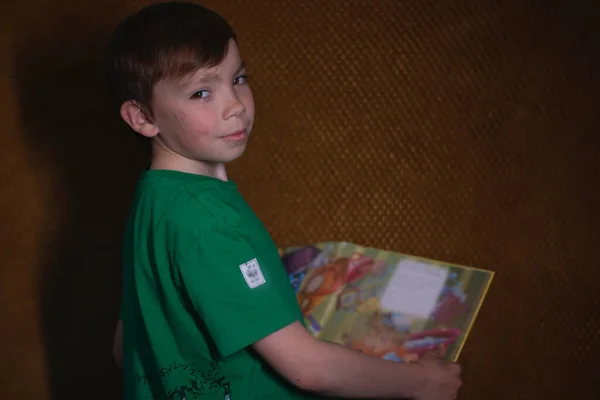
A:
<point x="184" y="382"/>
<point x="252" y="273"/>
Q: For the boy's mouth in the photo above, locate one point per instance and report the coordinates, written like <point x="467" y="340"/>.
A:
<point x="238" y="135"/>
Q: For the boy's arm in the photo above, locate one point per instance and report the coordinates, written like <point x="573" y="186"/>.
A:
<point x="118" y="344"/>
<point x="333" y="370"/>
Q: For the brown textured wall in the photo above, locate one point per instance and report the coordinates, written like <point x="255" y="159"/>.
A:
<point x="463" y="131"/>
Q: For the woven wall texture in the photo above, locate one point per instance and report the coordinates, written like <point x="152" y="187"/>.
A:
<point x="465" y="131"/>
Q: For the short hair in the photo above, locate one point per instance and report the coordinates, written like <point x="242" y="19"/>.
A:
<point x="166" y="40"/>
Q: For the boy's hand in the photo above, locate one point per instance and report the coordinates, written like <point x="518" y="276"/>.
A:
<point x="442" y="378"/>
<point x="118" y="344"/>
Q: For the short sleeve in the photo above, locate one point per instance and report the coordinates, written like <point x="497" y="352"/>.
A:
<point x="238" y="286"/>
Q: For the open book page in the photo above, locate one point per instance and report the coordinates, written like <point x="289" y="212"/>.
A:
<point x="317" y="277"/>
<point x="386" y="304"/>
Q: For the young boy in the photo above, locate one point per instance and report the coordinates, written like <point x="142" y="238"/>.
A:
<point x="208" y="310"/>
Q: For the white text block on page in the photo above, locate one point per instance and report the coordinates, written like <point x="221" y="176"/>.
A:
<point x="414" y="288"/>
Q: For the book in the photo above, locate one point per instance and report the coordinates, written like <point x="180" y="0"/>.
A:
<point x="386" y="304"/>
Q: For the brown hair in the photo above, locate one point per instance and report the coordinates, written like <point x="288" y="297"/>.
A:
<point x="163" y="41"/>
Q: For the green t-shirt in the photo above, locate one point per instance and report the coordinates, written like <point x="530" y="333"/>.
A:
<point x="202" y="281"/>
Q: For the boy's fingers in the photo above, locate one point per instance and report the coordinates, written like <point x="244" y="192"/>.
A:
<point x="454" y="368"/>
<point x="438" y="352"/>
<point x="441" y="351"/>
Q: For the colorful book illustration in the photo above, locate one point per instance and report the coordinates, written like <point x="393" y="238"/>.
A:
<point x="385" y="304"/>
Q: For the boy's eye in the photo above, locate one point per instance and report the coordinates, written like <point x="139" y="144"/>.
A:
<point x="201" y="94"/>
<point x="240" y="80"/>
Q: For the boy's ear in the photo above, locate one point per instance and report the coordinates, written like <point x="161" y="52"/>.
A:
<point x="137" y="119"/>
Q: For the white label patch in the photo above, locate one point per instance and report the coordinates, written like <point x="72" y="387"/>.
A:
<point x="252" y="273"/>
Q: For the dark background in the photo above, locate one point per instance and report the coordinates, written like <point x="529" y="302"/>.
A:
<point x="464" y="131"/>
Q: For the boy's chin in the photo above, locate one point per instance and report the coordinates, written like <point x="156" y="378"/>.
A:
<point x="234" y="154"/>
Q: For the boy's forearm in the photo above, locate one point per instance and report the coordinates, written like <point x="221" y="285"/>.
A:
<point x="118" y="344"/>
<point x="332" y="370"/>
<point x="349" y="373"/>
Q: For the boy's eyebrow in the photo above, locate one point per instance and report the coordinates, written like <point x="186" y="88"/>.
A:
<point x="208" y="78"/>
<point x="241" y="68"/>
<point x="215" y="77"/>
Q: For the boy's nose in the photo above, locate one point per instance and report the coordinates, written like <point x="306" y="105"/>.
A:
<point x="235" y="108"/>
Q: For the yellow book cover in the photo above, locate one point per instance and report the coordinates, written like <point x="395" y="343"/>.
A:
<point x="383" y="303"/>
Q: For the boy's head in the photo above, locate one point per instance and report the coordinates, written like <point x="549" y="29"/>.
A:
<point x="176" y="71"/>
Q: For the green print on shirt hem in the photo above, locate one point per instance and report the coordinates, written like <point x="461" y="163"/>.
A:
<point x="185" y="383"/>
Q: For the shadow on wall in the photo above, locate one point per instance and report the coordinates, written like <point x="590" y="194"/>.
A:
<point x="70" y="122"/>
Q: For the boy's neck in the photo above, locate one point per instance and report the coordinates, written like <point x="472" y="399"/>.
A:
<point x="165" y="159"/>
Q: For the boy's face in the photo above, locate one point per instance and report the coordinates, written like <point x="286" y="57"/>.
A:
<point x="206" y="119"/>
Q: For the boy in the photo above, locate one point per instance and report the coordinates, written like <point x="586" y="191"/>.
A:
<point x="207" y="309"/>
